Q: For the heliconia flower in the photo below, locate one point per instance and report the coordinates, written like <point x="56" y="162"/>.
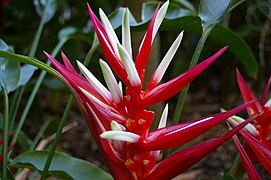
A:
<point x="118" y="118"/>
<point x="257" y="135"/>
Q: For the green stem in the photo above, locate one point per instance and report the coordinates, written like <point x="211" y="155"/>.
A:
<point x="39" y="135"/>
<point x="32" y="52"/>
<point x="15" y="106"/>
<point x="235" y="165"/>
<point x="55" y="142"/>
<point x="194" y="61"/>
<point x="94" y="46"/>
<point x="36" y="40"/>
<point x="33" y="94"/>
<point x="5" y="136"/>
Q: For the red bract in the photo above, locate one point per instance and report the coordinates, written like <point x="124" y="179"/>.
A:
<point x="257" y="137"/>
<point x="121" y="123"/>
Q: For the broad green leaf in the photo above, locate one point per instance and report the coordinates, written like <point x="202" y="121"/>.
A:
<point x="62" y="165"/>
<point x="45" y="9"/>
<point x="66" y="32"/>
<point x="211" y="12"/>
<point x="173" y="11"/>
<point x="116" y="17"/>
<point x="70" y="32"/>
<point x="235" y="3"/>
<point x="237" y="46"/>
<point x="26" y="72"/>
<point x="9" y="70"/>
<point x="184" y="4"/>
<point x="23" y="141"/>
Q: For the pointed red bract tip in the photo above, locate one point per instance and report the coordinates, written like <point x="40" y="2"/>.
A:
<point x="67" y="62"/>
<point x="145" y="49"/>
<point x="172" y="87"/>
<point x="248" y="95"/>
<point x="184" y="159"/>
<point x="265" y="93"/>
<point x="251" y="171"/>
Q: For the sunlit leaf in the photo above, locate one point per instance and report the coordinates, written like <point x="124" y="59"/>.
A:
<point x="62" y="165"/>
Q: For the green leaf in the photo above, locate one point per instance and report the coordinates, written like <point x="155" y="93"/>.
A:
<point x="226" y="176"/>
<point x="71" y="32"/>
<point x="66" y="32"/>
<point x="26" y="72"/>
<point x="62" y="165"/>
<point x="31" y="61"/>
<point x="211" y="12"/>
<point x="9" y="70"/>
<point x="116" y="17"/>
<point x="173" y="11"/>
<point x="184" y="4"/>
<point x="9" y="174"/>
<point x="238" y="47"/>
<point x="46" y="9"/>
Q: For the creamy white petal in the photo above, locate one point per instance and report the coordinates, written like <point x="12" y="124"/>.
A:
<point x="163" y="120"/>
<point x="96" y="119"/>
<point x="268" y="103"/>
<point x="92" y="79"/>
<point x="116" y="126"/>
<point x="121" y="136"/>
<point x="110" y="31"/>
<point x="111" y="82"/>
<point x="160" y="16"/>
<point x="161" y="69"/>
<point x="102" y="104"/>
<point x="126" y="35"/>
<point x="120" y="86"/>
<point x="129" y="66"/>
<point x="249" y="127"/>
